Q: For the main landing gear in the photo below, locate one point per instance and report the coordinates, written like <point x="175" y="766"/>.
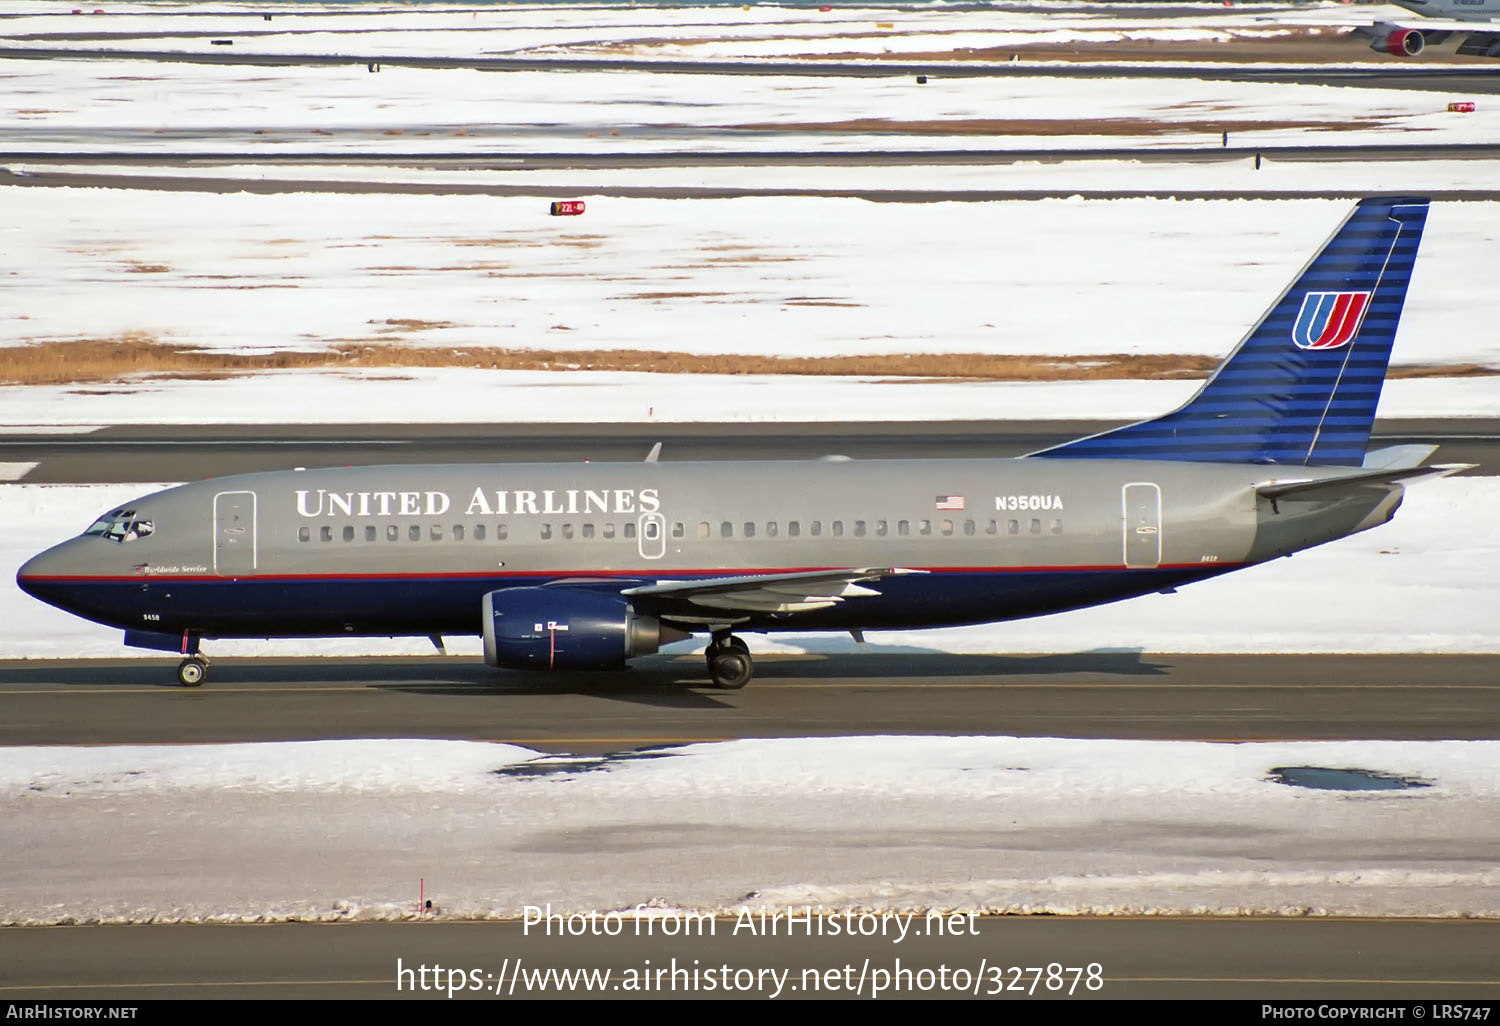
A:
<point x="191" y="671"/>
<point x="729" y="662"/>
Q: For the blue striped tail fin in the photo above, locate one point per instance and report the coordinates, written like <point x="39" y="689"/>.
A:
<point x="1303" y="385"/>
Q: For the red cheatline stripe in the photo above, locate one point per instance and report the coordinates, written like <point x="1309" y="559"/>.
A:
<point x="647" y="574"/>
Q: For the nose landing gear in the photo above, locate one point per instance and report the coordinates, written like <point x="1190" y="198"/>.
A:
<point x="729" y="662"/>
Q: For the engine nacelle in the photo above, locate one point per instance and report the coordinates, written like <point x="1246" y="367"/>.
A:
<point x="1393" y="39"/>
<point x="567" y="629"/>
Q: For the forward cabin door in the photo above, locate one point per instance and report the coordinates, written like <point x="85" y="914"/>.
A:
<point x="1141" y="502"/>
<point x="234" y="534"/>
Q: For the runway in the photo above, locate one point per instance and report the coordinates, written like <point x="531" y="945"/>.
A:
<point x="191" y="452"/>
<point x="1222" y="959"/>
<point x="669" y="701"/>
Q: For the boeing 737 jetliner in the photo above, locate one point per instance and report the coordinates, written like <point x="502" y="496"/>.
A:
<point x="587" y="565"/>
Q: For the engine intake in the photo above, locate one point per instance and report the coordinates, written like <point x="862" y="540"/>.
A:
<point x="567" y="629"/>
<point x="1392" y="39"/>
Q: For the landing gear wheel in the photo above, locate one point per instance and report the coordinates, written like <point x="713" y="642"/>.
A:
<point x="730" y="669"/>
<point x="190" y="672"/>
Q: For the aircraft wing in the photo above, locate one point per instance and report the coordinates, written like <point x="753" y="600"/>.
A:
<point x="1480" y="44"/>
<point x="709" y="600"/>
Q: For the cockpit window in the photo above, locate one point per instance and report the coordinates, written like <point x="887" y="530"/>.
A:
<point x="121" y="525"/>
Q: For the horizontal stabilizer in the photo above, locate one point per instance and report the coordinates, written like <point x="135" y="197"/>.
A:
<point x="1334" y="487"/>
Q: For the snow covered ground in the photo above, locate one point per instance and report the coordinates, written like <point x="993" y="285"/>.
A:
<point x="72" y="106"/>
<point x="647" y="31"/>
<point x="329" y="830"/>
<point x="1427" y="582"/>
<point x="345" y="829"/>
<point x="784" y="276"/>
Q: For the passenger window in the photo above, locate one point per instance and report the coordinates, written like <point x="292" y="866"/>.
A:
<point x="947" y="527"/>
<point x="1036" y="526"/>
<point x="1012" y="527"/>
<point x="726" y="530"/>
<point x="968" y="527"/>
<point x="458" y="532"/>
<point x="414" y="532"/>
<point x="859" y="529"/>
<point x="903" y="527"/>
<point x="629" y="529"/>
<point x="392" y="533"/>
<point x="369" y="532"/>
<point x="770" y="529"/>
<point x="349" y="533"/>
<point x="326" y="533"/>
<point x="880" y="528"/>
<point x="608" y="530"/>
<point x="567" y="532"/>
<point x="588" y="530"/>
<point x="749" y="529"/>
<point x="1057" y="527"/>
<point x="677" y="530"/>
<point x="793" y="528"/>
<point x="924" y="527"/>
<point x="437" y="532"/>
<point x="703" y="529"/>
<point x="479" y="532"/>
<point x="838" y="528"/>
<point x="993" y="528"/>
<point x="304" y="534"/>
<point x="500" y="532"/>
<point x="546" y="532"/>
<point x="817" y="528"/>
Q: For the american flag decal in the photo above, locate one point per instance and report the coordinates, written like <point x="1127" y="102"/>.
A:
<point x="950" y="502"/>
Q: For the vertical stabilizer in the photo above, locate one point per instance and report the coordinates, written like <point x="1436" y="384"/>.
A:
<point x="1303" y="385"/>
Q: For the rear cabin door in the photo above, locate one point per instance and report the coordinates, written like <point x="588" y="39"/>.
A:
<point x="1142" y="517"/>
<point x="234" y="534"/>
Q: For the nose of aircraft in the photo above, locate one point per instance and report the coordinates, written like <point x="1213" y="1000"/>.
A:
<point x="34" y="574"/>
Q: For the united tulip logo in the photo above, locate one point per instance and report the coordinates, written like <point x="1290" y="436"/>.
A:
<point x="1329" y="320"/>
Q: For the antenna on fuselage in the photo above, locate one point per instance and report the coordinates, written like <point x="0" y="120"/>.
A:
<point x="655" y="454"/>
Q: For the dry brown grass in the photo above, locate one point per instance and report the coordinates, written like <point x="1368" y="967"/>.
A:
<point x="411" y="324"/>
<point x="96" y="361"/>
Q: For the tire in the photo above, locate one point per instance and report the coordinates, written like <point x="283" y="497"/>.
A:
<point x="731" y="670"/>
<point x="190" y="672"/>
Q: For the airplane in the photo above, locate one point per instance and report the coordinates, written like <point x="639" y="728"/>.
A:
<point x="1461" y="15"/>
<point x="589" y="565"/>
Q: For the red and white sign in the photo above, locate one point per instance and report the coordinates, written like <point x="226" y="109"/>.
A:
<point x="564" y="208"/>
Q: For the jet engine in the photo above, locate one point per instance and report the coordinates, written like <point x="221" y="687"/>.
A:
<point x="1393" y="39"/>
<point x="567" y="629"/>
